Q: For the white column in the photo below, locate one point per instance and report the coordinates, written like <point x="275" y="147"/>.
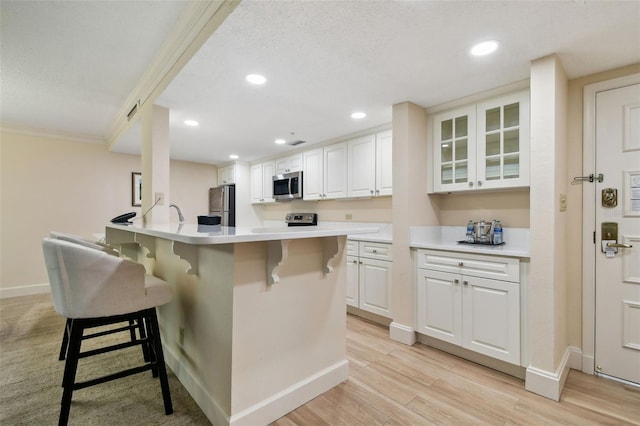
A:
<point x="409" y="191"/>
<point x="547" y="290"/>
<point x="155" y="163"/>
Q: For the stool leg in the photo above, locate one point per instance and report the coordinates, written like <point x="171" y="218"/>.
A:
<point x="65" y="339"/>
<point x="144" y="335"/>
<point x="154" y="329"/>
<point x="70" y="367"/>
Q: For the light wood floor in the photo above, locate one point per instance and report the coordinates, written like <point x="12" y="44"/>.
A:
<point x="389" y="384"/>
<point x="394" y="384"/>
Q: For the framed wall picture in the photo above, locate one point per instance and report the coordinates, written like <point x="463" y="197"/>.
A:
<point x="136" y="189"/>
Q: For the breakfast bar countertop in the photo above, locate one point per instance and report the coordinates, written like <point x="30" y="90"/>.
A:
<point x="215" y="234"/>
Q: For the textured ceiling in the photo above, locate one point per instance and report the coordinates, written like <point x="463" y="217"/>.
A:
<point x="68" y="66"/>
<point x="322" y="59"/>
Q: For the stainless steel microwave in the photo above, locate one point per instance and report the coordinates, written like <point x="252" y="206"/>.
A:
<point x="287" y="186"/>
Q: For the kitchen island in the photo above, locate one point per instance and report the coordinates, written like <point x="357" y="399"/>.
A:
<point x="257" y="324"/>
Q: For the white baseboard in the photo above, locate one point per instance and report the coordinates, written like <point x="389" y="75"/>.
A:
<point x="26" y="290"/>
<point x="268" y="410"/>
<point x="271" y="409"/>
<point x="196" y="389"/>
<point x="550" y="384"/>
<point x="402" y="333"/>
<point x="588" y="364"/>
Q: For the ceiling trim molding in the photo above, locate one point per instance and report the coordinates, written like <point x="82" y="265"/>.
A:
<point x="481" y="96"/>
<point x="51" y="134"/>
<point x="196" y="24"/>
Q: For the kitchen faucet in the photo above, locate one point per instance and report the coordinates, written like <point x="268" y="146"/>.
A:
<point x="180" y="217"/>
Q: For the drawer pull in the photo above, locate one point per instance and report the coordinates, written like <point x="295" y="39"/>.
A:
<point x="375" y="251"/>
<point x="465" y="282"/>
<point x="456" y="281"/>
<point x="460" y="264"/>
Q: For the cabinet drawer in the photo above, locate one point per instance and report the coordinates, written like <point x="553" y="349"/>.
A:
<point x="352" y="248"/>
<point x="371" y="250"/>
<point x="483" y="266"/>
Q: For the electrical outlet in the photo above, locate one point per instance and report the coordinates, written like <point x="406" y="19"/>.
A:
<point x="160" y="198"/>
<point x="348" y="216"/>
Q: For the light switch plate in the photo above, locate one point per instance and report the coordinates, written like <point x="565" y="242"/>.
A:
<point x="563" y="202"/>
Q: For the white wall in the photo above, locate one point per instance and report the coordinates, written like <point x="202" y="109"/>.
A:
<point x="58" y="184"/>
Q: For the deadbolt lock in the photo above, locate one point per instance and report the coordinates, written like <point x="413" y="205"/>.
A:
<point x="609" y="197"/>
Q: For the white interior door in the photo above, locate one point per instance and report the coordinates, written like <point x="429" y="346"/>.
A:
<point x="617" y="275"/>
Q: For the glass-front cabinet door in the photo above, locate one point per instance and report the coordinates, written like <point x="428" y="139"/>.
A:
<point x="503" y="142"/>
<point x="454" y="150"/>
<point x="482" y="146"/>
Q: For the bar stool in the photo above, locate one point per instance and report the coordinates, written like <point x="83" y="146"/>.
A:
<point x="93" y="288"/>
<point x="133" y="325"/>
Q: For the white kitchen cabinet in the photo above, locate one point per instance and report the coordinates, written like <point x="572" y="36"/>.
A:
<point x="292" y="163"/>
<point x="369" y="269"/>
<point x="470" y="300"/>
<point x="325" y="171"/>
<point x="384" y="163"/>
<point x="227" y="175"/>
<point x="482" y="146"/>
<point x="369" y="165"/>
<point x="262" y="182"/>
<point x="361" y="177"/>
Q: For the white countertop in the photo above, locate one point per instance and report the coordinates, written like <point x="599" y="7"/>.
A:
<point x="447" y="237"/>
<point x="216" y="234"/>
<point x="384" y="234"/>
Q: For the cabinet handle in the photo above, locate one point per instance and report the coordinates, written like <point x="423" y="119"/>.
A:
<point x="479" y="183"/>
<point x="465" y="282"/>
<point x="355" y="261"/>
<point x="456" y="281"/>
<point x="460" y="264"/>
<point x="371" y="190"/>
<point x="470" y="184"/>
<point x="375" y="251"/>
<point x="377" y="191"/>
<point x="361" y="262"/>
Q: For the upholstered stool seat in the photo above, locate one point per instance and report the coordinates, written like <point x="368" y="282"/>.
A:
<point x="93" y="288"/>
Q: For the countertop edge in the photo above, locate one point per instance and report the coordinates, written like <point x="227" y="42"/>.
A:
<point x="244" y="235"/>
<point x="372" y="238"/>
<point x="473" y="249"/>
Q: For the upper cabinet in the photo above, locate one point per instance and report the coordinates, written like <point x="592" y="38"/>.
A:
<point x="370" y="165"/>
<point x="359" y="167"/>
<point x="325" y="171"/>
<point x="227" y="175"/>
<point x="292" y="163"/>
<point x="482" y="146"/>
<point x="361" y="178"/>
<point x="384" y="163"/>
<point x="262" y="182"/>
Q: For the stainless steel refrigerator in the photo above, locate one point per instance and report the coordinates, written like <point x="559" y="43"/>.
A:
<point x="222" y="202"/>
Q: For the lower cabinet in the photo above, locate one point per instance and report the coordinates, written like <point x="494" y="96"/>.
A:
<point x="369" y="269"/>
<point x="470" y="300"/>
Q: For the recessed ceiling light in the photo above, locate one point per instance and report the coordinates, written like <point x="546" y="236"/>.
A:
<point x="256" y="79"/>
<point x="484" y="48"/>
<point x="192" y="123"/>
<point x="358" y="115"/>
<point x="234" y="156"/>
<point x="280" y="141"/>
